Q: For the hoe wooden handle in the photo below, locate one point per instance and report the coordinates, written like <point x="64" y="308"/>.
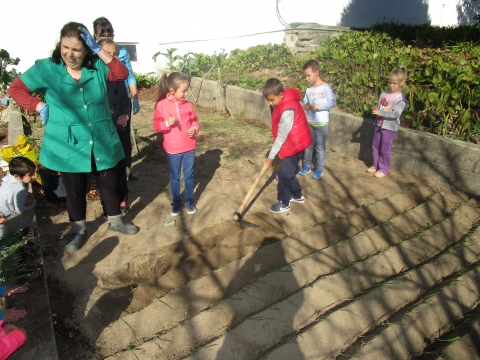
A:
<point x="254" y="185"/>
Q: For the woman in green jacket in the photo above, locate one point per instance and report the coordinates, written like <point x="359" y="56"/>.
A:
<point x="79" y="135"/>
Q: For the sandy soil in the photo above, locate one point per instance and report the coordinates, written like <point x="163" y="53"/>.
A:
<point x="174" y="291"/>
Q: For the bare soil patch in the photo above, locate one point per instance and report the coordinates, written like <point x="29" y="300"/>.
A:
<point x="209" y="287"/>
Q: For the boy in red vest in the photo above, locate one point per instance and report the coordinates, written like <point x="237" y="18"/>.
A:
<point x="291" y="136"/>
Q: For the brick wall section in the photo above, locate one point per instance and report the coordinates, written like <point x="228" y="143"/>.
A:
<point x="455" y="162"/>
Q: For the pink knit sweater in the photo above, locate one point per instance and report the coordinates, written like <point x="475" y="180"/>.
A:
<point x="175" y="137"/>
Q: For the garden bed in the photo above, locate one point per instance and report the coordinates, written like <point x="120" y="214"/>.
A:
<point x="169" y="292"/>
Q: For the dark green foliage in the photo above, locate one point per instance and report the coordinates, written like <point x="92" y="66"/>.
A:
<point x="427" y="35"/>
<point x="443" y="86"/>
<point x="7" y="76"/>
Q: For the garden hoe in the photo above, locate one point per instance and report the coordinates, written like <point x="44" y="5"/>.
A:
<point x="237" y="216"/>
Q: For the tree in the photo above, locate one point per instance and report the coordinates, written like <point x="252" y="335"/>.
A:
<point x="7" y="76"/>
<point x="468" y="12"/>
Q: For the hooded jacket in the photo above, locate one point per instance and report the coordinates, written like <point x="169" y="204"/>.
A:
<point x="13" y="196"/>
<point x="299" y="137"/>
<point x="175" y="138"/>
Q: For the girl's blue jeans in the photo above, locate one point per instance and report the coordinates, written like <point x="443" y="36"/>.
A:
<point x="177" y="162"/>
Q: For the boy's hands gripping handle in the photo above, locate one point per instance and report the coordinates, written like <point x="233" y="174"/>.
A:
<point x="237" y="216"/>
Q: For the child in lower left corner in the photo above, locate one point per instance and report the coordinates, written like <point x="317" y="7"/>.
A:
<point x="11" y="336"/>
<point x="388" y="110"/>
<point x="176" y="119"/>
<point x="16" y="203"/>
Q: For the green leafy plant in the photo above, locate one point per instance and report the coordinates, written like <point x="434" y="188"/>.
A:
<point x="184" y="63"/>
<point x="146" y="80"/>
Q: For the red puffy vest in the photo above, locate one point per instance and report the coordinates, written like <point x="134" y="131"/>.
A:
<point x="299" y="137"/>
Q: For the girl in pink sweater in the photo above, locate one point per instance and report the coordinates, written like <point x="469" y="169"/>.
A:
<point x="176" y="119"/>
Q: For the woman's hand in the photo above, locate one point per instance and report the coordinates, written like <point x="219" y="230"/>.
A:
<point x="122" y="120"/>
<point x="92" y="44"/>
<point x="42" y="109"/>
<point x="192" y="131"/>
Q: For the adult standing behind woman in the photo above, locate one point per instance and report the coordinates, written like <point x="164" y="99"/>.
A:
<point x="79" y="135"/>
<point x="103" y="29"/>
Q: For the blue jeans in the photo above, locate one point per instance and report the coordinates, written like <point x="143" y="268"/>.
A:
<point x="177" y="162"/>
<point x="319" y="141"/>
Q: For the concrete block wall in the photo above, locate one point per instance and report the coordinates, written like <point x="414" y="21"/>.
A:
<point x="240" y="102"/>
<point x="453" y="161"/>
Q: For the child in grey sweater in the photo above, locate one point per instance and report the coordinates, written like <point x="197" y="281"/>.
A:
<point x="16" y="203"/>
<point x="388" y="110"/>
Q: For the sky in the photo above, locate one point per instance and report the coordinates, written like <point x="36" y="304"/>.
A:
<point x="33" y="26"/>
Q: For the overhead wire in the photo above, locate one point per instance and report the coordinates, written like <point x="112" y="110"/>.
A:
<point x="288" y="27"/>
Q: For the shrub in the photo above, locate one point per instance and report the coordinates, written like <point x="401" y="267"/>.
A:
<point x="146" y="80"/>
<point x="443" y="86"/>
<point x="426" y="35"/>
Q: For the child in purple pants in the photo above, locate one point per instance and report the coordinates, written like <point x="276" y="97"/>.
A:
<point x="388" y="110"/>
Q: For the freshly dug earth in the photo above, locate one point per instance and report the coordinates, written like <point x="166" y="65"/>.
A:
<point x="334" y="277"/>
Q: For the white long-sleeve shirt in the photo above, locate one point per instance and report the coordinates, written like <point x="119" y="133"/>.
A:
<point x="324" y="97"/>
